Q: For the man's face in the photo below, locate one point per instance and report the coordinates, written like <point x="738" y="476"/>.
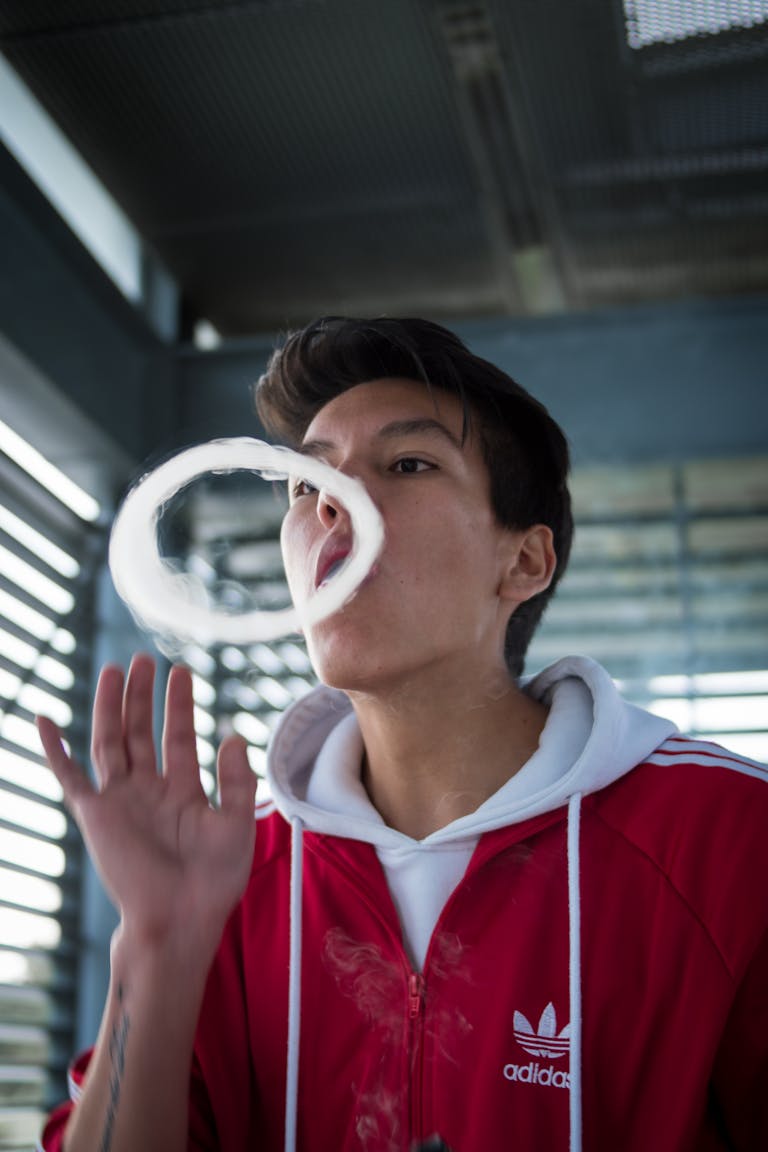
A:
<point x="431" y="603"/>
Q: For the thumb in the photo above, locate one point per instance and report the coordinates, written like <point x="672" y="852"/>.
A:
<point x="237" y="780"/>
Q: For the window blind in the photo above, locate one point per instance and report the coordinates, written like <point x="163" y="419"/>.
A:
<point x="47" y="559"/>
<point x="668" y="589"/>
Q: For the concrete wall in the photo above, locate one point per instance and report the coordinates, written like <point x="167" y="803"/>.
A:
<point x="683" y="379"/>
<point x="662" y="382"/>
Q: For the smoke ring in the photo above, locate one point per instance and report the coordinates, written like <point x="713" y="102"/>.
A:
<point x="160" y="599"/>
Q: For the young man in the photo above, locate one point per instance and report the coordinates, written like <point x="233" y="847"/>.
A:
<point x="506" y="913"/>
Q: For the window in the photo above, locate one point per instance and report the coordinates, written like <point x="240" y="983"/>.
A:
<point x="47" y="556"/>
<point x="59" y="171"/>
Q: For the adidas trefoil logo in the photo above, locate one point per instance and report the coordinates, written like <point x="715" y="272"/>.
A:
<point x="546" y="1041"/>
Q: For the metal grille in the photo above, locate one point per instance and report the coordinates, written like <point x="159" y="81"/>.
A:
<point x="47" y="557"/>
<point x="666" y="21"/>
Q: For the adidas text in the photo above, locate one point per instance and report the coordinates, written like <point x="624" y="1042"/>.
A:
<point x="533" y="1073"/>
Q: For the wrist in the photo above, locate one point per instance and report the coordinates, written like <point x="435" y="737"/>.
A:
<point x="174" y="955"/>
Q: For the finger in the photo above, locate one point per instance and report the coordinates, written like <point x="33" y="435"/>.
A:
<point x="107" y="744"/>
<point x="138" y="732"/>
<point x="74" y="782"/>
<point x="179" y="739"/>
<point x="237" y="780"/>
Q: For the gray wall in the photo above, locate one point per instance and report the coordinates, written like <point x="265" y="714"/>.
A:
<point x="656" y="382"/>
<point x="651" y="383"/>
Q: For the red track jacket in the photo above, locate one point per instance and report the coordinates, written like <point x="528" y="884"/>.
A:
<point x="479" y="1046"/>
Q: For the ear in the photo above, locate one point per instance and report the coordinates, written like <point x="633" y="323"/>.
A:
<point x="529" y="564"/>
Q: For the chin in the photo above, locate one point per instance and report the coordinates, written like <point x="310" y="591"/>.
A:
<point x="370" y="652"/>
<point x="348" y="662"/>
<point x="343" y="672"/>
<point x="373" y="672"/>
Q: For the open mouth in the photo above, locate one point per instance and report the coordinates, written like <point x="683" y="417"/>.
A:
<point x="331" y="572"/>
<point x="330" y="564"/>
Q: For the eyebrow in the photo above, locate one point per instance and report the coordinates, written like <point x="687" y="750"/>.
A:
<point x="392" y="431"/>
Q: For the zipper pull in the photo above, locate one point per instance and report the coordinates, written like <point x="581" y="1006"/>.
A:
<point x="415" y="993"/>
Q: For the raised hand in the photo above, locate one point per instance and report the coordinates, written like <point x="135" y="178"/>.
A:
<point x="174" y="866"/>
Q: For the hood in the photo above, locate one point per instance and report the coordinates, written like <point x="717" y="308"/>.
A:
<point x="615" y="736"/>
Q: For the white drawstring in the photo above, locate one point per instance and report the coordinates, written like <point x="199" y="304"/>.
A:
<point x="574" y="968"/>
<point x="294" y="987"/>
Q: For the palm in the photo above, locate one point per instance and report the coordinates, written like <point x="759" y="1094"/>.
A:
<point x="166" y="857"/>
<point x="157" y="853"/>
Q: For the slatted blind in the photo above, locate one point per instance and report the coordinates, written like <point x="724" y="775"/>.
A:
<point x="668" y="588"/>
<point x="47" y="557"/>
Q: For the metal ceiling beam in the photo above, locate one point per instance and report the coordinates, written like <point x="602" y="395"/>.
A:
<point x="519" y="209"/>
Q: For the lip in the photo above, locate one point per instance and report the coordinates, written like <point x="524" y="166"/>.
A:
<point x="332" y="552"/>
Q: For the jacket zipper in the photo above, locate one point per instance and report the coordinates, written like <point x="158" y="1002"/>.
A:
<point x="416" y="1015"/>
<point x="415" y="993"/>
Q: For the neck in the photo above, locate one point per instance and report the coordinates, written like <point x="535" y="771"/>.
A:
<point x="433" y="756"/>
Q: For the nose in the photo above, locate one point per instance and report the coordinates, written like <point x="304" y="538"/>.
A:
<point x="329" y="508"/>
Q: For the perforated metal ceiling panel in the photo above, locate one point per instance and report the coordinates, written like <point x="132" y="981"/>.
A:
<point x="436" y="156"/>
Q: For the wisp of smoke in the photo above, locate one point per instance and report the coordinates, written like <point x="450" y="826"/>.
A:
<point x="174" y="608"/>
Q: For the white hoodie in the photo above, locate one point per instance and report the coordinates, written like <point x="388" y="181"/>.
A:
<point x="591" y="738"/>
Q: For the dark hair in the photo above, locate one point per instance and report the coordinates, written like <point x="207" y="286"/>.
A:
<point x="524" y="449"/>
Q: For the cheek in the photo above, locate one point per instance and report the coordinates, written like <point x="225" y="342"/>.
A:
<point x="459" y="554"/>
<point x="448" y="533"/>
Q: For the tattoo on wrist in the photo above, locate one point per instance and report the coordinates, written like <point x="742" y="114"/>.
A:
<point x="117" y="1042"/>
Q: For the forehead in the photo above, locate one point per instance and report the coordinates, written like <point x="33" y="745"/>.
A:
<point x="367" y="406"/>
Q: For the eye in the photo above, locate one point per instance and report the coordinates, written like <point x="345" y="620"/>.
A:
<point x="409" y="465"/>
<point x="301" y="488"/>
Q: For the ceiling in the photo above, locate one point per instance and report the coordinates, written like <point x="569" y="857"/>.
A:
<point x="286" y="158"/>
